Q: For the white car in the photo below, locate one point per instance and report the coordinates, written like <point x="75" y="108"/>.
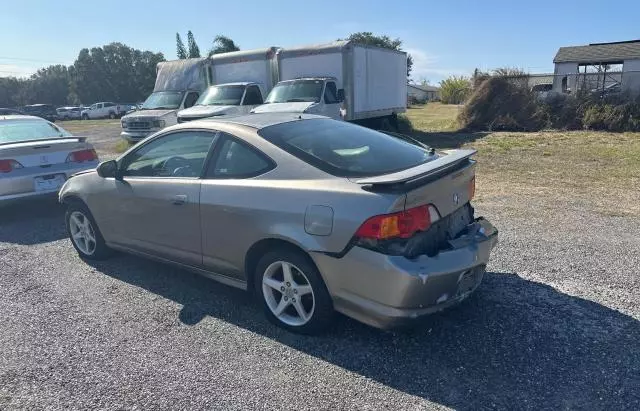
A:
<point x="37" y="157"/>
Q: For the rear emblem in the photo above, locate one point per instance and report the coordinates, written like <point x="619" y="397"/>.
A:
<point x="456" y="199"/>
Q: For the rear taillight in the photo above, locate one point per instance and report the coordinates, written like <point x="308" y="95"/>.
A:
<point x="82" y="156"/>
<point x="6" y="166"/>
<point x="403" y="224"/>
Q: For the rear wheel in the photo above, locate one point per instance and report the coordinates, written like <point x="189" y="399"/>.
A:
<point x="85" y="117"/>
<point x="293" y="294"/>
<point x="85" y="234"/>
<point x="112" y="115"/>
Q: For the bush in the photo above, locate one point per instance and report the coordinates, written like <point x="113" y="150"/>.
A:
<point x="500" y="104"/>
<point x="623" y="117"/>
<point x="454" y="90"/>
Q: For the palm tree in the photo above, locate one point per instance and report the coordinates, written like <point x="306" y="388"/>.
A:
<point x="222" y="44"/>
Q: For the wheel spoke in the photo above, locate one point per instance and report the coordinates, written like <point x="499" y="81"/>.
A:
<point x="286" y="273"/>
<point x="86" y="244"/>
<point x="300" y="309"/>
<point x="273" y="283"/>
<point x="77" y="221"/>
<point x="281" y="306"/>
<point x="303" y="289"/>
<point x="90" y="235"/>
<point x="77" y="236"/>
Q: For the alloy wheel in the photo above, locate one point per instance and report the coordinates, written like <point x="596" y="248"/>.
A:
<point x="82" y="233"/>
<point x="288" y="293"/>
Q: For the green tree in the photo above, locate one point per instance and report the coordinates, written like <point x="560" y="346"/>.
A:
<point x="222" y="44"/>
<point x="455" y="89"/>
<point x="181" y="51"/>
<point x="194" y="50"/>
<point x="368" y="38"/>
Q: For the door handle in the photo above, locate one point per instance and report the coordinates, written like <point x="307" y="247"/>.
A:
<point x="179" y="199"/>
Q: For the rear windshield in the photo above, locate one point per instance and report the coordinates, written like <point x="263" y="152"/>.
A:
<point x="344" y="149"/>
<point x="12" y="131"/>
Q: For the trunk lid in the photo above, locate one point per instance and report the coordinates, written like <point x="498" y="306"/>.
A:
<point x="42" y="153"/>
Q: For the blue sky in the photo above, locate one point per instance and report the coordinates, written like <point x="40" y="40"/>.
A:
<point x="444" y="37"/>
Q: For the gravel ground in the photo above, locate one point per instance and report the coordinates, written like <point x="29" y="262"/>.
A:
<point x="554" y="325"/>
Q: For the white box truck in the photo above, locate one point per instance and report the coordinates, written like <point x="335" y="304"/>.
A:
<point x="179" y="84"/>
<point x="342" y="80"/>
<point x="240" y="82"/>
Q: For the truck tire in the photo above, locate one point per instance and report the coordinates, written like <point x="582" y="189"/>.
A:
<point x="85" y="117"/>
<point x="112" y="115"/>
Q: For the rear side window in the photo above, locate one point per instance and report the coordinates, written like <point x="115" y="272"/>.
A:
<point x="344" y="149"/>
<point x="109" y="104"/>
<point x="238" y="160"/>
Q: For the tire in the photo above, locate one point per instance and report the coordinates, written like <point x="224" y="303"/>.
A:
<point x="85" y="117"/>
<point x="112" y="115"/>
<point x="77" y="211"/>
<point x="307" y="291"/>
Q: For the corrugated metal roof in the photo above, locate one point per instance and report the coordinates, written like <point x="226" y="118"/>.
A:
<point x="599" y="53"/>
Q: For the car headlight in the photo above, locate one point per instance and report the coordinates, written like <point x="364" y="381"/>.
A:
<point x="158" y="123"/>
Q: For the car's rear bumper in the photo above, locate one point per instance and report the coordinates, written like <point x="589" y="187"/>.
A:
<point x="23" y="185"/>
<point x="386" y="291"/>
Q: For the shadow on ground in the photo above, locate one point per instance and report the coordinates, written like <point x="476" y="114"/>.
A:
<point x="447" y="139"/>
<point x="515" y="344"/>
<point x="29" y="222"/>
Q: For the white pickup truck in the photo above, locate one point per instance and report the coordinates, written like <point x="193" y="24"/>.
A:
<point x="104" y="109"/>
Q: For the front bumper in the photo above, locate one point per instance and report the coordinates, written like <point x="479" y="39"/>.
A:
<point x="386" y="291"/>
<point x="135" y="136"/>
<point x="22" y="185"/>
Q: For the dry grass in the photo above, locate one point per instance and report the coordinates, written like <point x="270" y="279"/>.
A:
<point x="78" y="127"/>
<point x="549" y="169"/>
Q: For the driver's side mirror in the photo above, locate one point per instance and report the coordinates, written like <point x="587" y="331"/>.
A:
<point x="108" y="169"/>
<point x="341" y="95"/>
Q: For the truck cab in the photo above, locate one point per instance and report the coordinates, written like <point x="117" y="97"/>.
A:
<point x="225" y="99"/>
<point x="313" y="95"/>
<point x="159" y="110"/>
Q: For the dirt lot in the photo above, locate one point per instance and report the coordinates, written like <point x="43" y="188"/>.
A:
<point x="103" y="134"/>
<point x="555" y="324"/>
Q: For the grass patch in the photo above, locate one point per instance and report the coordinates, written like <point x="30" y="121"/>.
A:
<point x="554" y="168"/>
<point x="121" y="146"/>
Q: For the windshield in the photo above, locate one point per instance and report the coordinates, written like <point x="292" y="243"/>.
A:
<point x="221" y="96"/>
<point x="12" y="131"/>
<point x="344" y="149"/>
<point x="296" y="91"/>
<point x="163" y="100"/>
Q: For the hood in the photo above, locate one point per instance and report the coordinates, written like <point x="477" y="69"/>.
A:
<point x="149" y="113"/>
<point x="298" y="107"/>
<point x="205" y="111"/>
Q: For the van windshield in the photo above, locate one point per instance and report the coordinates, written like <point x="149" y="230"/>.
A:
<point x="296" y="91"/>
<point x="169" y="100"/>
<point x="221" y="96"/>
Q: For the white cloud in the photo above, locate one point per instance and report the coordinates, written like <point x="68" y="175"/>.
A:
<point x="425" y="67"/>
<point x="14" y="70"/>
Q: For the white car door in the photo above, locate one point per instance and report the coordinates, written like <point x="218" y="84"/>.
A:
<point x="330" y="104"/>
<point x="252" y="99"/>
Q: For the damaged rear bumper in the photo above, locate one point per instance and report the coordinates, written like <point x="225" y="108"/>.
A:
<point x="386" y="291"/>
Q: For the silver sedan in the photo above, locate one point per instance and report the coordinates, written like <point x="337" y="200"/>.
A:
<point x="37" y="157"/>
<point x="312" y="215"/>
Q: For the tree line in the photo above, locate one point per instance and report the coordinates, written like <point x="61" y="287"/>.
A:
<point x="119" y="73"/>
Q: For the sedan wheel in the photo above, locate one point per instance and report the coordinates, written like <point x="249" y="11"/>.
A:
<point x="82" y="233"/>
<point x="293" y="293"/>
<point x="288" y="293"/>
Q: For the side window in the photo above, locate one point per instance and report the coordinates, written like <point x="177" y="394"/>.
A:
<point x="191" y="99"/>
<point x="93" y="107"/>
<point x="331" y="93"/>
<point x="109" y="104"/>
<point x="252" y="97"/>
<point x="238" y="160"/>
<point x="180" y="154"/>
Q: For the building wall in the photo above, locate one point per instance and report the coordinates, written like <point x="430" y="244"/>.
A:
<point x="418" y="94"/>
<point x="631" y="76"/>
<point x="568" y="71"/>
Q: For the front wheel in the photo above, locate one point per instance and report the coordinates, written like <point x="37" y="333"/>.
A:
<point x="85" y="117"/>
<point x="292" y="292"/>
<point x="85" y="234"/>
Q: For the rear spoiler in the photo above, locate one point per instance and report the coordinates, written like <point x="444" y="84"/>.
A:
<point x="45" y="140"/>
<point x="426" y="170"/>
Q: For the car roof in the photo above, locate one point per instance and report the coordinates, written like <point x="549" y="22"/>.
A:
<point x="261" y="120"/>
<point x="236" y="83"/>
